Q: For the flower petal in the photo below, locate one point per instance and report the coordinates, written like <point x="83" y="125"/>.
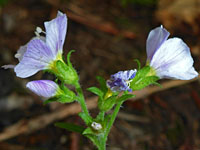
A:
<point x="21" y="51"/>
<point x="130" y="74"/>
<point x="56" y="32"/>
<point x="173" y="60"/>
<point x="155" y="39"/>
<point x="119" y="81"/>
<point x="44" y="88"/>
<point x="37" y="57"/>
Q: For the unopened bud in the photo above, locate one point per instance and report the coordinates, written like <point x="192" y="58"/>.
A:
<point x="96" y="126"/>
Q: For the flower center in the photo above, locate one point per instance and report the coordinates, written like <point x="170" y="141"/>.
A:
<point x="128" y="82"/>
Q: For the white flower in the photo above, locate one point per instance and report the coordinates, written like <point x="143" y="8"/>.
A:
<point x="170" y="58"/>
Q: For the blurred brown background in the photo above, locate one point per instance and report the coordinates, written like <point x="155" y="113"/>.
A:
<point x="107" y="35"/>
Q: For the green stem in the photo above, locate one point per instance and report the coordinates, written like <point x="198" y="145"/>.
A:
<point x="81" y="100"/>
<point x="112" y="119"/>
<point x="102" y="145"/>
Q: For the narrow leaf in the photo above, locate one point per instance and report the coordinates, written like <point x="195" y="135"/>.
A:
<point x="54" y="99"/>
<point x="88" y="131"/>
<point x="102" y="83"/>
<point x="70" y="127"/>
<point x="96" y="91"/>
<point x="85" y="118"/>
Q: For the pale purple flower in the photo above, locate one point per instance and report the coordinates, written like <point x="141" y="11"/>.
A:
<point x="120" y="81"/>
<point x="44" y="88"/>
<point x="169" y="58"/>
<point x="39" y="53"/>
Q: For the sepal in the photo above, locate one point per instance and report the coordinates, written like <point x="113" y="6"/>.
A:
<point x="64" y="95"/>
<point x="143" y="78"/>
<point x="66" y="73"/>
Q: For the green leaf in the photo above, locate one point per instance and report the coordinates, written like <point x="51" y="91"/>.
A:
<point x="96" y="91"/>
<point x="108" y="103"/>
<point x="70" y="127"/>
<point x="102" y="83"/>
<point x="125" y="97"/>
<point x="85" y="118"/>
<point x="106" y="120"/>
<point x="96" y="140"/>
<point x="95" y="137"/>
<point x="100" y="116"/>
<point x="88" y="131"/>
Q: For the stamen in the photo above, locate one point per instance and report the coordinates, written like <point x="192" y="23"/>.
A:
<point x="128" y="82"/>
<point x="39" y="31"/>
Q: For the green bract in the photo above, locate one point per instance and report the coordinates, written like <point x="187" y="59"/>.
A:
<point x="143" y="78"/>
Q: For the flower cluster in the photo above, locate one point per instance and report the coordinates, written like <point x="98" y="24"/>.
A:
<point x="168" y="58"/>
<point x="41" y="53"/>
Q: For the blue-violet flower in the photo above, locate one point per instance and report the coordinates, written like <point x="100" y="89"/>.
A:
<point x="44" y="88"/>
<point x="120" y="81"/>
<point x="169" y="58"/>
<point x="42" y="53"/>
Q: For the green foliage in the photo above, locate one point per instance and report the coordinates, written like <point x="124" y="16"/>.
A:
<point x="64" y="95"/>
<point x="61" y="98"/>
<point x="102" y="83"/>
<point x="107" y="104"/>
<point x="96" y="137"/>
<point x="66" y="73"/>
<point x="70" y="127"/>
<point x="65" y="99"/>
<point x="96" y="91"/>
<point x="88" y="131"/>
<point x="125" y="97"/>
<point x="143" y="79"/>
<point x="138" y="63"/>
<point x="97" y="140"/>
<point x="85" y="118"/>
